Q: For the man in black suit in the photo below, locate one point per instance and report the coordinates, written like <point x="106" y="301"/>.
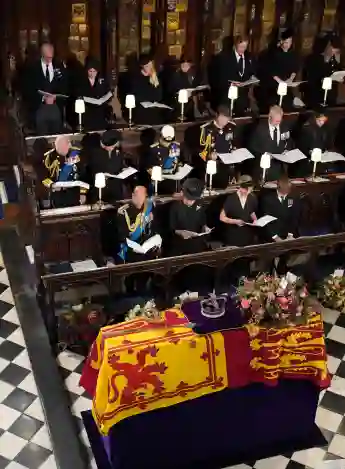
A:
<point x="272" y="136"/>
<point x="236" y="67"/>
<point x="46" y="76"/>
<point x="281" y="205"/>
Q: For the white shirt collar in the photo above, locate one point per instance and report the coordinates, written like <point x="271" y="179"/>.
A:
<point x="238" y="56"/>
<point x="50" y="69"/>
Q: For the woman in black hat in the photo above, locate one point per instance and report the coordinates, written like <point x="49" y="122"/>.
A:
<point x="147" y="88"/>
<point x="317" y="67"/>
<point x="188" y="215"/>
<point x="108" y="159"/>
<point x="93" y="86"/>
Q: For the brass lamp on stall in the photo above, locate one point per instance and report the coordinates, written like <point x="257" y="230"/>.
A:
<point x="211" y="170"/>
<point x="265" y="164"/>
<point x="156" y="176"/>
<point x="315" y="156"/>
<point x="100" y="184"/>
<point x="232" y="95"/>
<point x="130" y="105"/>
<point x="79" y="108"/>
<point x="326" y="86"/>
<point x="281" y="91"/>
<point x="183" y="100"/>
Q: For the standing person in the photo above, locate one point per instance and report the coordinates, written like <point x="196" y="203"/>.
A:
<point x="317" y="67"/>
<point x="49" y="76"/>
<point x="94" y="86"/>
<point x="284" y="66"/>
<point x="217" y="137"/>
<point x="147" y="88"/>
<point x="237" y="67"/>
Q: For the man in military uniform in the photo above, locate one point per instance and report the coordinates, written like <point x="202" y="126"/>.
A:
<point x="64" y="174"/>
<point x="167" y="154"/>
<point x="216" y="138"/>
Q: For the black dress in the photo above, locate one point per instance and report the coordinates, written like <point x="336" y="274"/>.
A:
<point x="103" y="162"/>
<point x="234" y="235"/>
<point x="95" y="117"/>
<point x="144" y="91"/>
<point x="189" y="218"/>
<point x="181" y="81"/>
<point x="315" y="70"/>
<point x="283" y="65"/>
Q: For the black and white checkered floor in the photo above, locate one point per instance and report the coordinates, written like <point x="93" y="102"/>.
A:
<point x="24" y="438"/>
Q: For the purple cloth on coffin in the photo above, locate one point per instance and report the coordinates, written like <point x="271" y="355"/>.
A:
<point x="214" y="431"/>
<point x="232" y="318"/>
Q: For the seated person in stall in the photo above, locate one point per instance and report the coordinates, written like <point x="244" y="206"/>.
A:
<point x="188" y="216"/>
<point x="284" y="66"/>
<point x="63" y="165"/>
<point x="238" y="213"/>
<point x="136" y="222"/>
<point x="109" y="159"/>
<point x="185" y="78"/>
<point x="285" y="208"/>
<point x="147" y="88"/>
<point x="165" y="153"/>
<point x="315" y="133"/>
<point x="94" y="87"/>
<point x="46" y="76"/>
<point x="217" y="137"/>
<point x="272" y="136"/>
<point x="236" y="68"/>
<point x="319" y="66"/>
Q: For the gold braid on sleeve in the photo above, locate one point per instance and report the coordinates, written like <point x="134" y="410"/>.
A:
<point x="206" y="142"/>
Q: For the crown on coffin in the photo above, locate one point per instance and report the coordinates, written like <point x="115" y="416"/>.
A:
<point x="213" y="306"/>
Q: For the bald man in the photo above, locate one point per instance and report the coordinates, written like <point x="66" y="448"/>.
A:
<point x="62" y="165"/>
<point x="49" y="76"/>
<point x="272" y="136"/>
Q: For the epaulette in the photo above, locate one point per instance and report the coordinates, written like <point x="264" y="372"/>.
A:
<point x="48" y="152"/>
<point x="205" y="125"/>
<point x="156" y="144"/>
<point x="121" y="210"/>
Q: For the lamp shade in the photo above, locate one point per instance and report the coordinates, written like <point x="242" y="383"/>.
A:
<point x="265" y="162"/>
<point x="211" y="167"/>
<point x="282" y="89"/>
<point x="327" y="83"/>
<point x="130" y="101"/>
<point x="156" y="174"/>
<point x="316" y="155"/>
<point x="100" y="180"/>
<point x="79" y="106"/>
<point x="233" y="92"/>
<point x="183" y="96"/>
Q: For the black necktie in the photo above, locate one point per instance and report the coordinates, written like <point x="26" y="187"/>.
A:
<point x="47" y="73"/>
<point x="275" y="135"/>
<point x="241" y="65"/>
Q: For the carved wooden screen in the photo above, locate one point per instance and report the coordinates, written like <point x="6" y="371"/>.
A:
<point x="310" y="25"/>
<point x="329" y="15"/>
<point x="268" y="19"/>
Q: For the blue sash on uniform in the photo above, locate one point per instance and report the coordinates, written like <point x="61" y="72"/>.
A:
<point x="139" y="230"/>
<point x="65" y="172"/>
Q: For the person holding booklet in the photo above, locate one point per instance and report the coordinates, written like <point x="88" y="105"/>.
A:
<point x="217" y="137"/>
<point x="319" y="66"/>
<point x="147" y="88"/>
<point x="187" y="220"/>
<point x="108" y="159"/>
<point x="185" y="78"/>
<point x="237" y="68"/>
<point x="93" y="87"/>
<point x="315" y="133"/>
<point x="64" y="174"/>
<point x="272" y="136"/>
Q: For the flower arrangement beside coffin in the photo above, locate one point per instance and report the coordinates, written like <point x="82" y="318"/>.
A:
<point x="270" y="300"/>
<point x="149" y="311"/>
<point x="332" y="292"/>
